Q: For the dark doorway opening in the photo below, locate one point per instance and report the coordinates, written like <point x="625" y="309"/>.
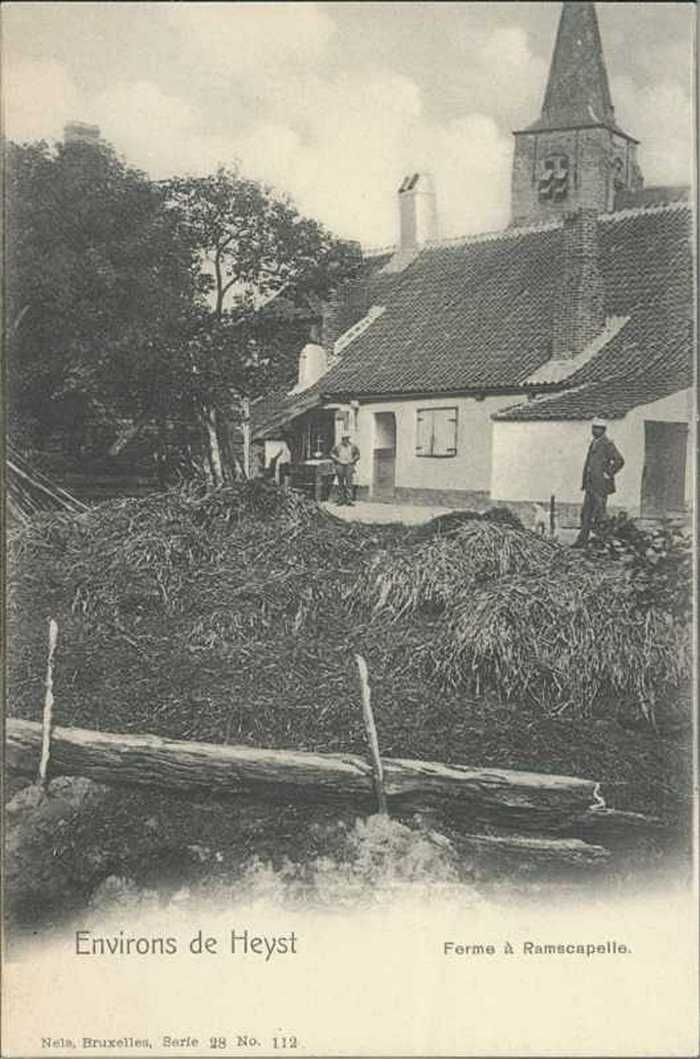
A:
<point x="663" y="478"/>
<point x="314" y="435"/>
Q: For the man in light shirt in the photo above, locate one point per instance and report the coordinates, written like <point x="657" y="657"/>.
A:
<point x="345" y="455"/>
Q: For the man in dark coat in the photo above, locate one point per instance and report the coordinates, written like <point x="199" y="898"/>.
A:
<point x="603" y="462"/>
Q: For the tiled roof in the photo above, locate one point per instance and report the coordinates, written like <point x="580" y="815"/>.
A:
<point x="648" y="265"/>
<point x="477" y="314"/>
<point x="662" y="195"/>
<point x="271" y="412"/>
<point x="611" y="398"/>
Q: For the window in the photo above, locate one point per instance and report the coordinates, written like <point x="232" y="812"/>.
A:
<point x="436" y="432"/>
<point x="554" y="182"/>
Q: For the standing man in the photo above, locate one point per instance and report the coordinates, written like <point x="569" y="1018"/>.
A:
<point x="603" y="462"/>
<point x="345" y="456"/>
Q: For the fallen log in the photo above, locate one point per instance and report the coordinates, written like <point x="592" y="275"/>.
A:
<point x="553" y="852"/>
<point x="508" y="798"/>
<point x="617" y="827"/>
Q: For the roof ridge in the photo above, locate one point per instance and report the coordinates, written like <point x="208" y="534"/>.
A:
<point x="490" y="236"/>
<point x="543" y="398"/>
<point x="379" y="251"/>
<point x="638" y="211"/>
<point x="513" y="231"/>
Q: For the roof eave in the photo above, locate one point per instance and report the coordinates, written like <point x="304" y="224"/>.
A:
<point x="540" y="126"/>
<point x="518" y="389"/>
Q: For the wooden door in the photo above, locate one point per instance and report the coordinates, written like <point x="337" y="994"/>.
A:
<point x="663" y="478"/>
<point x="384" y="467"/>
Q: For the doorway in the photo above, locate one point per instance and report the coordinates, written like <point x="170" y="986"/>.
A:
<point x="663" y="478"/>
<point x="384" y="463"/>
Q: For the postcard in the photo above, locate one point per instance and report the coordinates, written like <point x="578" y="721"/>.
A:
<point x="349" y="494"/>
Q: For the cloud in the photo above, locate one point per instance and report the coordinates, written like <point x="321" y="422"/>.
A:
<point x="502" y="76"/>
<point x="40" y="97"/>
<point x="660" y="116"/>
<point x="245" y="40"/>
<point x="341" y="159"/>
<point x="151" y="129"/>
<point x="367" y="133"/>
<point x="271" y="86"/>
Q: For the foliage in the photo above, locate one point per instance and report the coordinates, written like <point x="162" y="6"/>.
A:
<point x="100" y="278"/>
<point x="135" y="306"/>
<point x="658" y="563"/>
<point x="255" y="243"/>
<point x="270" y="269"/>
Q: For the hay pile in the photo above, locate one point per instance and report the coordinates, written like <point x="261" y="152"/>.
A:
<point x="233" y="617"/>
<point x="522" y="617"/>
<point x="564" y="643"/>
<point x="213" y="617"/>
<point x="429" y="575"/>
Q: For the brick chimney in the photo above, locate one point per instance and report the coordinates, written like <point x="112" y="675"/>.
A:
<point x="579" y="308"/>
<point x="346" y="307"/>
<point x="80" y="132"/>
<point x="417" y="211"/>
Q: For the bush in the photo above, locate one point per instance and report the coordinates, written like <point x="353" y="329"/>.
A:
<point x="658" y="563"/>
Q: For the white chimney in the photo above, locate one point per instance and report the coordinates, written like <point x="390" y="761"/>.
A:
<point x="313" y="363"/>
<point x="417" y="211"/>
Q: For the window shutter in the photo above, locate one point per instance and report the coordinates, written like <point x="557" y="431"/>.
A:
<point x="420" y="432"/>
<point x="452" y="431"/>
<point x="436" y="432"/>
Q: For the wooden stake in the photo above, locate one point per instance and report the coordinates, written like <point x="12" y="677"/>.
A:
<point x="552" y="515"/>
<point x="371" y="732"/>
<point x="48" y="706"/>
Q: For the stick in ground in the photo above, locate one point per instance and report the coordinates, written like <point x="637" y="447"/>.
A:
<point x="371" y="732"/>
<point x="48" y="705"/>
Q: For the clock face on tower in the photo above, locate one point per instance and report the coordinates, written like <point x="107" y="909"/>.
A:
<point x="553" y="184"/>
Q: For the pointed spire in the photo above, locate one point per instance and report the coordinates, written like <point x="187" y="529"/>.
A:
<point x="578" y="93"/>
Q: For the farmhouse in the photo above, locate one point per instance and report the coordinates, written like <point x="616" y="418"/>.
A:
<point x="468" y="370"/>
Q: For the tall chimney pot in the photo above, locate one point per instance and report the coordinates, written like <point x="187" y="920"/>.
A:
<point x="579" y="308"/>
<point x="417" y="211"/>
<point x="80" y="132"/>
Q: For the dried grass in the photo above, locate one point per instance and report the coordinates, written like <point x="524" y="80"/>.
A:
<point x="233" y="617"/>
<point x="429" y="576"/>
<point x="563" y="644"/>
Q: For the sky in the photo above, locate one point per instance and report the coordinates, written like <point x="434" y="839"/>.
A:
<point x="334" y="103"/>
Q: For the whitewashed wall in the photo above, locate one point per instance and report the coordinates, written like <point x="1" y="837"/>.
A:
<point x="535" y="459"/>
<point x="469" y="469"/>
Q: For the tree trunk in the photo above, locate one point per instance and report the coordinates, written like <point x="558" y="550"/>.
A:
<point x="216" y="464"/>
<point x="162" y="453"/>
<point x="245" y="431"/>
<point x="519" y="800"/>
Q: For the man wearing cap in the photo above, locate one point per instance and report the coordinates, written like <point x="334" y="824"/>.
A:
<point x="603" y="461"/>
<point x="345" y="456"/>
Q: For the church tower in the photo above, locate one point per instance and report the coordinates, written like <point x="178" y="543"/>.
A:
<point x="575" y="155"/>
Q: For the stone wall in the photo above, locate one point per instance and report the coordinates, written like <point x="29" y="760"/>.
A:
<point x="599" y="164"/>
